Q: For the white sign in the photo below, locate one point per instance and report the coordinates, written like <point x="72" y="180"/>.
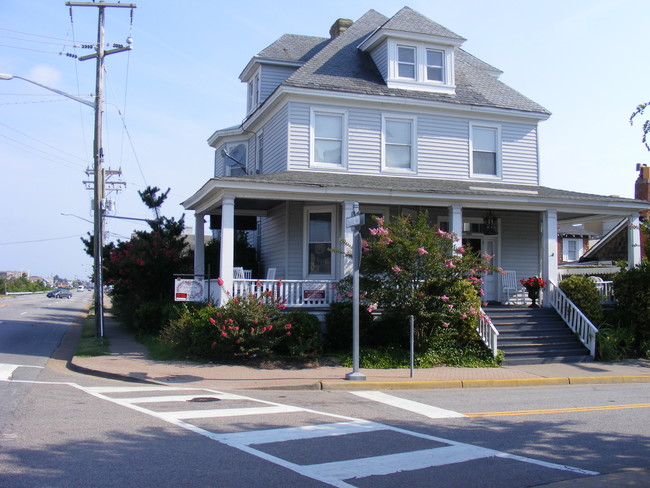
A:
<point x="355" y="220"/>
<point x="188" y="290"/>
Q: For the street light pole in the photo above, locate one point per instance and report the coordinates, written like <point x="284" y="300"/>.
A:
<point x="98" y="155"/>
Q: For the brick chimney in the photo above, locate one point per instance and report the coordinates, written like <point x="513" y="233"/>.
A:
<point x="642" y="192"/>
<point x="339" y="27"/>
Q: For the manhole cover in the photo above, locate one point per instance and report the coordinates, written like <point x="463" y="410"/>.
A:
<point x="203" y="399"/>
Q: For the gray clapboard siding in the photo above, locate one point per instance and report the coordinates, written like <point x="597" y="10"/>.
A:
<point x="293" y="243"/>
<point x="520" y="243"/>
<point x="519" y="154"/>
<point x="442" y="145"/>
<point x="271" y="77"/>
<point x="380" y="57"/>
<point x="364" y="148"/>
<point x="275" y="142"/>
<point x="273" y="230"/>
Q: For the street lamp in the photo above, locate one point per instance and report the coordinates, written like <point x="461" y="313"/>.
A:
<point x="4" y="76"/>
<point x="98" y="210"/>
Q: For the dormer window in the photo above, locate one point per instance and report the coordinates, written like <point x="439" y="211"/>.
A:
<point x="435" y="65"/>
<point x="253" y="93"/>
<point x="420" y="66"/>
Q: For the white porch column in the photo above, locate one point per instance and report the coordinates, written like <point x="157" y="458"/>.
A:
<point x="346" y="232"/>
<point x="549" y="250"/>
<point x="456" y="223"/>
<point x="633" y="241"/>
<point x="227" y="254"/>
<point x="199" y="244"/>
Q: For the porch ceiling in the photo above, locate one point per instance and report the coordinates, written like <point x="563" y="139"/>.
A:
<point x="261" y="192"/>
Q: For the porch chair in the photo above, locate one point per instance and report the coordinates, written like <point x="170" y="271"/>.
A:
<point x="511" y="287"/>
<point x="238" y="273"/>
<point x="270" y="274"/>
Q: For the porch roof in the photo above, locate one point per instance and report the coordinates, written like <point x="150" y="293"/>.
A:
<point x="267" y="190"/>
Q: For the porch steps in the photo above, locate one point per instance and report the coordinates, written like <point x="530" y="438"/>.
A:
<point x="535" y="336"/>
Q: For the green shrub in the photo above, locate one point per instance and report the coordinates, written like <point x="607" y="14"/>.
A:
<point x="303" y="338"/>
<point x="632" y="292"/>
<point x="338" y="320"/>
<point x="583" y="292"/>
<point x="149" y="318"/>
<point x="244" y="327"/>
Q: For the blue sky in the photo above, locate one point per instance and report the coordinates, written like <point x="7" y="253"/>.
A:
<point x="584" y="60"/>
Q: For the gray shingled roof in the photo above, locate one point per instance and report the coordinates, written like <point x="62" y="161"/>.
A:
<point x="294" y="48"/>
<point x="409" y="20"/>
<point x="338" y="65"/>
<point x="423" y="185"/>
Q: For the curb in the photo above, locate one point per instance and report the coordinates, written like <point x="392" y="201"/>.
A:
<point x="446" y="384"/>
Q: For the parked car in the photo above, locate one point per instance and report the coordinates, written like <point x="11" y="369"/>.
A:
<point x="60" y="293"/>
<point x="80" y="288"/>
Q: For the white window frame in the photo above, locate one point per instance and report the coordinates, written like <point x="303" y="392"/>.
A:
<point x="565" y="248"/>
<point x="307" y="213"/>
<point x="498" y="155"/>
<point x="254" y="92"/>
<point x="259" y="150"/>
<point x="228" y="169"/>
<point x="414" y="63"/>
<point x="421" y="81"/>
<point x="401" y="118"/>
<point x="343" y="115"/>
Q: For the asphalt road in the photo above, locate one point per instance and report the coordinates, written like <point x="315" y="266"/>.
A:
<point x="63" y="429"/>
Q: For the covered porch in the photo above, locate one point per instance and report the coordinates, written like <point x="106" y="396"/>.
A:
<point x="299" y="217"/>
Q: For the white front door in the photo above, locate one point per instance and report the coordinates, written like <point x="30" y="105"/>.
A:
<point x="486" y="245"/>
<point x="491" y="279"/>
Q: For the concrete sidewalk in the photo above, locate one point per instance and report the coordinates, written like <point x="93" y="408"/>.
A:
<point x="128" y="360"/>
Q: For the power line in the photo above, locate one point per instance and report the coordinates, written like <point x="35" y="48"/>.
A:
<point x="37" y="35"/>
<point x="37" y="240"/>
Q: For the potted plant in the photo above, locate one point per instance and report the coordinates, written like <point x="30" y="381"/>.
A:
<point x="533" y="285"/>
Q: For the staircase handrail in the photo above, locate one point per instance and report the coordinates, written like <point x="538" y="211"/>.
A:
<point x="488" y="332"/>
<point x="574" y="318"/>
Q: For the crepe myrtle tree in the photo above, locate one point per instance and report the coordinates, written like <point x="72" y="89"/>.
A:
<point x="142" y="269"/>
<point x="410" y="267"/>
<point x="646" y="124"/>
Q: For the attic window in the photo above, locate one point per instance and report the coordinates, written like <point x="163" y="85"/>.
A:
<point x="420" y="66"/>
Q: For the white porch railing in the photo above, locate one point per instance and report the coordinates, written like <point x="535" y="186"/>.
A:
<point x="296" y="293"/>
<point x="575" y="319"/>
<point x="488" y="332"/>
<point x="606" y="290"/>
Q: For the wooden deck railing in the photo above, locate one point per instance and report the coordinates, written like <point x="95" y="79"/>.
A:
<point x="488" y="332"/>
<point x="575" y="319"/>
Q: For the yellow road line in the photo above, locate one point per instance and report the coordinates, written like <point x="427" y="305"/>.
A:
<point x="557" y="410"/>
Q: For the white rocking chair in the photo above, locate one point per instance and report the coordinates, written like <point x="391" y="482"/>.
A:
<point x="511" y="288"/>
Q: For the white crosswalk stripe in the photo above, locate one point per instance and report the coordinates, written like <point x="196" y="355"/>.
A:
<point x="433" y="453"/>
<point x="415" y="407"/>
<point x="7" y="370"/>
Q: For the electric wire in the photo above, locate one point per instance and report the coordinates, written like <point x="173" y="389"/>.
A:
<point x="38" y="240"/>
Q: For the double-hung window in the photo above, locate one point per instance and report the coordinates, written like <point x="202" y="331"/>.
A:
<point x="485" y="151"/>
<point x="398" y="144"/>
<point x="320" y="238"/>
<point x="328" y="138"/>
<point x="406" y="62"/>
<point x="435" y="68"/>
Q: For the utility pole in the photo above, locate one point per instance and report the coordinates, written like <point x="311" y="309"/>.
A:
<point x="98" y="153"/>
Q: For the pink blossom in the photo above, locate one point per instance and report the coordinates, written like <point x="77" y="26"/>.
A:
<point x="461" y="250"/>
<point x="380" y="221"/>
<point x="372" y="308"/>
<point x="422" y="251"/>
<point x="450" y="306"/>
<point x="445" y="324"/>
<point x="287" y="326"/>
<point x="463" y="315"/>
<point x="213" y="345"/>
<point x="444" y="298"/>
<point x="388" y="240"/>
<point x="485" y="304"/>
<point x="396" y="269"/>
<point x="224" y="334"/>
<point x="449" y="264"/>
<point x="441" y="232"/>
<point x="220" y="281"/>
<point x="212" y="321"/>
